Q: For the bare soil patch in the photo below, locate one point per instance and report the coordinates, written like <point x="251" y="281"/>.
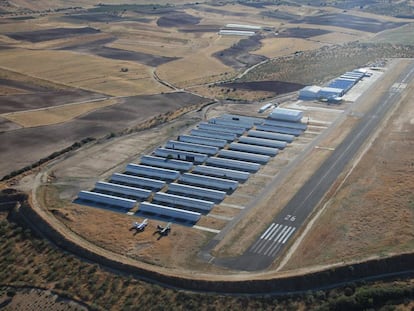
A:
<point x="349" y="21"/>
<point x="59" y="114"/>
<point x="177" y="19"/>
<point x="6" y="125"/>
<point x="302" y="33"/>
<point x="147" y="246"/>
<point x="214" y="10"/>
<point x="80" y="46"/>
<point x="22" y="85"/>
<point x="200" y="28"/>
<point x="146" y="59"/>
<point x="114" y="53"/>
<point x="102" y="18"/>
<point x="51" y="34"/>
<point x="25" y="146"/>
<point x="22" y="102"/>
<point x="238" y="56"/>
<point x="97" y="47"/>
<point x="279" y="14"/>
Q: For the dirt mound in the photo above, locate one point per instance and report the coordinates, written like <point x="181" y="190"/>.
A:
<point x="177" y="19"/>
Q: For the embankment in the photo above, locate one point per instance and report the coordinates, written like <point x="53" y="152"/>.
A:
<point x="372" y="269"/>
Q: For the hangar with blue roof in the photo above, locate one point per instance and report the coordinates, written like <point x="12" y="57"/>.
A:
<point x="198" y="170"/>
<point x="335" y="89"/>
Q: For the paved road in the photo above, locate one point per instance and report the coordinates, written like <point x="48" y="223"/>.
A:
<point x="274" y="239"/>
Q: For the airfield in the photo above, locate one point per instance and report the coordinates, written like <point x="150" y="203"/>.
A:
<point x="129" y="81"/>
<point x="231" y="238"/>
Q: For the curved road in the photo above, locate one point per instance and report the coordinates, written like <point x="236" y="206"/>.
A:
<point x="270" y="244"/>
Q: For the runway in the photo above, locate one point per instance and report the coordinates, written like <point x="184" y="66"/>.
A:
<point x="273" y="240"/>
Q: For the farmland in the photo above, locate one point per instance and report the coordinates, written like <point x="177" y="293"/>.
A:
<point x="87" y="88"/>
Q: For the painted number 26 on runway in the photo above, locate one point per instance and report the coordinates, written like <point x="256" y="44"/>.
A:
<point x="290" y="217"/>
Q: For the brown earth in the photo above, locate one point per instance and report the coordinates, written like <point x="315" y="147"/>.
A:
<point x="23" y="102"/>
<point x="59" y="114"/>
<point x="239" y="56"/>
<point x="22" y="147"/>
<point x="51" y="34"/>
<point x="6" y="125"/>
<point x="302" y="33"/>
<point x="21" y="86"/>
<point x="350" y="21"/>
<point x="177" y="19"/>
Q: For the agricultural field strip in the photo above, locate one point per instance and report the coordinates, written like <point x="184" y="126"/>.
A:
<point x="61" y="106"/>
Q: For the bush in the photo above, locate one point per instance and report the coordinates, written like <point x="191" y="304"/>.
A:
<point x="11" y="292"/>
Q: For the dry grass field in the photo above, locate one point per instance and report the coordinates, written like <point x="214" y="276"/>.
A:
<point x="190" y="37"/>
<point x="275" y="47"/>
<point x="54" y="115"/>
<point x="83" y="71"/>
<point x="198" y="65"/>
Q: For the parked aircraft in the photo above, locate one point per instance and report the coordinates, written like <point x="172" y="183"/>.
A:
<point x="163" y="231"/>
<point x="139" y="226"/>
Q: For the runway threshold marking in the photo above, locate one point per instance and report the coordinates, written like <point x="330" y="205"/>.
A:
<point x="273" y="238"/>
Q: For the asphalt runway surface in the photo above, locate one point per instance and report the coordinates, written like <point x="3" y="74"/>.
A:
<point x="273" y="240"/>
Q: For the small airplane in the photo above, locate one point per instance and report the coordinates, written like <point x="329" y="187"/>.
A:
<point x="163" y="231"/>
<point x="139" y="226"/>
